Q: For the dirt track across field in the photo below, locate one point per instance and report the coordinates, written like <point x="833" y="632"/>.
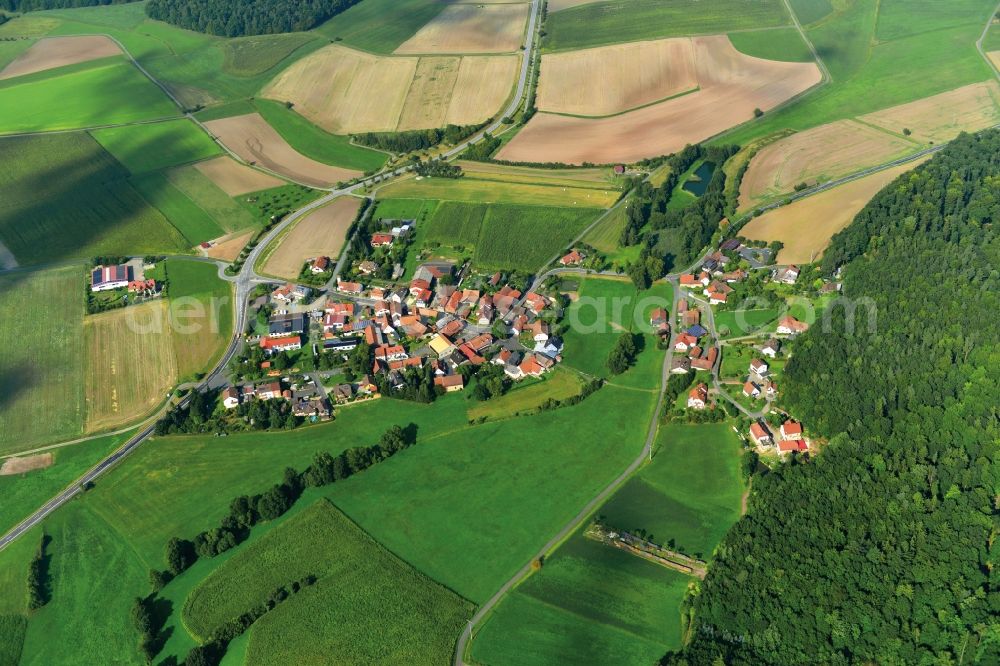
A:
<point x="53" y="52"/>
<point x="320" y="234"/>
<point x="255" y="141"/>
<point x="333" y="88"/>
<point x="471" y="28"/>
<point x="234" y="178"/>
<point x="807" y="225"/>
<point x="13" y="466"/>
<point x="731" y="86"/>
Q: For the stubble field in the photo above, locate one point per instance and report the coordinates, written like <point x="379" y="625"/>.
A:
<point x="806" y="226"/>
<point x="321" y="233"/>
<point x="333" y="88"/>
<point x="130" y="364"/>
<point x="472" y="28"/>
<point x="731" y="86"/>
<point x="256" y="142"/>
<point x="58" y="51"/>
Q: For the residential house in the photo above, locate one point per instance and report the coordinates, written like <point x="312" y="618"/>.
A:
<point x="684" y="341"/>
<point x="320" y="265"/>
<point x="268" y="391"/>
<point x="787" y="275"/>
<point x="659" y="319"/>
<point x="536" y="302"/>
<point x="539" y="331"/>
<point x="791" y="430"/>
<point x="716" y="298"/>
<point x="353" y="288"/>
<point x="790" y="445"/>
<point x="231" y="397"/>
<point x="698" y="397"/>
<point x="367" y="386"/>
<point x="441" y="345"/>
<point x="758" y="367"/>
<point x="342" y="392"/>
<point x="572" y="258"/>
<point x="341" y="345"/>
<point x="367" y="267"/>
<point x="284" y="325"/>
<point x="696" y="330"/>
<point x="760" y="434"/>
<point x="751" y="390"/>
<point x="771" y="348"/>
<point x="286" y="343"/>
<point x="706" y="362"/>
<point x="382" y="240"/>
<point x="450" y="383"/>
<point x="789" y="325"/>
<point x="680" y="366"/>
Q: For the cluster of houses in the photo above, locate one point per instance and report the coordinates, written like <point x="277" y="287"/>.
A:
<point x="444" y="326"/>
<point x="790" y="436"/>
<point x="699" y="354"/>
<point x="759" y="382"/>
<point x="307" y="401"/>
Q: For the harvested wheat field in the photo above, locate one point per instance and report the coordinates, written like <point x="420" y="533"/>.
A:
<point x="234" y="178"/>
<point x="130" y="363"/>
<point x="819" y="154"/>
<point x="53" y="52"/>
<point x="228" y="247"/>
<point x="13" y="466"/>
<point x="806" y="226"/>
<point x="320" y="234"/>
<point x="731" y="85"/>
<point x="994" y="57"/>
<point x="255" y="141"/>
<point x="941" y="117"/>
<point x="627" y="76"/>
<point x="333" y="88"/>
<point x="474" y="28"/>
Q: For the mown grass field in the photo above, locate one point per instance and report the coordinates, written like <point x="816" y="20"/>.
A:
<point x="313" y="142"/>
<point x="525" y="237"/>
<point x="254" y="55"/>
<point x="881" y="55"/>
<point x="38" y="102"/>
<point x="455" y="224"/>
<point x="690" y="494"/>
<point x="611" y="22"/>
<point x="26" y="492"/>
<point x="193" y="222"/>
<point x="131" y="364"/>
<point x="155" y="146"/>
<point x="368" y="606"/>
<point x="743" y="322"/>
<point x="210" y="198"/>
<point x="363" y="26"/>
<point x="782" y="44"/>
<point x="606" y="308"/>
<point x="200" y="315"/>
<point x="590" y="604"/>
<point x="526" y="397"/>
<point x="78" y="200"/>
<point x="42" y="360"/>
<point x="12" y="628"/>
<point x="486" y="188"/>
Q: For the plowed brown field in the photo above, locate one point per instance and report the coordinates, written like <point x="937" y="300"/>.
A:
<point x="53" y="52"/>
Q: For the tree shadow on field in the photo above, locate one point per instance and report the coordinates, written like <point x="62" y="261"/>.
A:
<point x="14" y="381"/>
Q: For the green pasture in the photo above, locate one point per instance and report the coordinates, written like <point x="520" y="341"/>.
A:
<point x="313" y="142"/>
<point x="155" y="146"/>
<point x="689" y="495"/>
<point x="64" y="98"/>
<point x="78" y="201"/>
<point x="743" y="322"/>
<point x="881" y="55"/>
<point x="195" y="224"/>
<point x="12" y="628"/>
<point x="810" y="11"/>
<point x="23" y="493"/>
<point x="364" y="26"/>
<point x="613" y="21"/>
<point x="528" y="395"/>
<point x="41" y="366"/>
<point x="590" y="604"/>
<point x="526" y="237"/>
<point x="455" y="224"/>
<point x="208" y="197"/>
<point x="773" y="44"/>
<point x="9" y="50"/>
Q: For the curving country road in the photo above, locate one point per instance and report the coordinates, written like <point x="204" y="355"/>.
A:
<point x="247" y="277"/>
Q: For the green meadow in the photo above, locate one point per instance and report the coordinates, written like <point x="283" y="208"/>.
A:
<point x="155" y="146"/>
<point x="881" y="54"/>
<point x="205" y="194"/>
<point x="41" y="375"/>
<point x="364" y="27"/>
<point x="613" y="21"/>
<point x="23" y="493"/>
<point x="313" y="142"/>
<point x="200" y="336"/>
<point x="195" y="224"/>
<point x="773" y="44"/>
<point x="366" y="606"/>
<point x="79" y="201"/>
<point x="526" y="237"/>
<point x="734" y="323"/>
<point x="63" y="98"/>
<point x="594" y="604"/>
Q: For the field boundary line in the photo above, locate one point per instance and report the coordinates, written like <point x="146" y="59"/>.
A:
<point x="827" y="77"/>
<point x="982" y="37"/>
<point x="683" y="93"/>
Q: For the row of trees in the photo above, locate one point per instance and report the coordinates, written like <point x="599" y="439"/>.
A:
<point x="406" y="142"/>
<point x="247" y="511"/>
<point x="38" y="576"/>
<point x="236" y="18"/>
<point x="438" y="168"/>
<point x="34" y="5"/>
<point x="203" y="415"/>
<point x="883" y="549"/>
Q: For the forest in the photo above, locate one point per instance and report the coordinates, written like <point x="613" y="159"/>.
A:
<point x="236" y="18"/>
<point x="880" y="549"/>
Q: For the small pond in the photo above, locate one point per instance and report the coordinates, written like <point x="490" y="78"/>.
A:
<point x="697" y="182"/>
